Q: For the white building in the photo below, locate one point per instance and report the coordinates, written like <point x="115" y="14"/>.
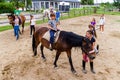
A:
<point x="38" y="4"/>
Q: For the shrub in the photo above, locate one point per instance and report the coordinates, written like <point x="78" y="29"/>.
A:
<point x="6" y="8"/>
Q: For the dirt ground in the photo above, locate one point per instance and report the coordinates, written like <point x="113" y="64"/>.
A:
<point x="17" y="63"/>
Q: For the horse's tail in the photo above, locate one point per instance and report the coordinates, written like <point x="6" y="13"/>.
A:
<point x="33" y="42"/>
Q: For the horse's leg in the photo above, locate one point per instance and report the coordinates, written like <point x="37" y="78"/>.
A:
<point x="35" y="51"/>
<point x="34" y="45"/>
<point x="70" y="61"/>
<point x="56" y="58"/>
<point x="23" y="27"/>
<point x="41" y="48"/>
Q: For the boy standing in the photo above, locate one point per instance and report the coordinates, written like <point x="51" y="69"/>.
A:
<point x="58" y="16"/>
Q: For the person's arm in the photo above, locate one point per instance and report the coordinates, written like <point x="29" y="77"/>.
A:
<point x="30" y="21"/>
<point x="93" y="45"/>
<point x="14" y="11"/>
<point x="50" y="27"/>
<point x="35" y="21"/>
<point x="104" y="20"/>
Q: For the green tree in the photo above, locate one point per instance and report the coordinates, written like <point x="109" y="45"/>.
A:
<point x="117" y="4"/>
<point x="6" y="7"/>
<point x="22" y="3"/>
<point x="87" y="2"/>
<point x="107" y="5"/>
<point x="2" y="0"/>
<point x="27" y="3"/>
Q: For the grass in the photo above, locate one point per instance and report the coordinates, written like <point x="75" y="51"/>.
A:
<point x="103" y="11"/>
<point x="118" y="20"/>
<point x="4" y="28"/>
<point x="72" y="14"/>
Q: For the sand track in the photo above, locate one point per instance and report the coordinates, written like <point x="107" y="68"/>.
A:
<point x="17" y="63"/>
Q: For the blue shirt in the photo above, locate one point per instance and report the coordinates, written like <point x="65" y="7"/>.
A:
<point x="57" y="14"/>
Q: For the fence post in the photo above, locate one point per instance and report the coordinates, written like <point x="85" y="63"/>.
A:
<point x="84" y="11"/>
<point x="61" y="15"/>
<point x="79" y="12"/>
<point x="68" y="14"/>
<point x="74" y="12"/>
<point x="43" y="19"/>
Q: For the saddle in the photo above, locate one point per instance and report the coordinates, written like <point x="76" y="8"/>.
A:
<point x="47" y="36"/>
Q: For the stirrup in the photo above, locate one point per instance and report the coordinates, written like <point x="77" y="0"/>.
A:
<point x="50" y="47"/>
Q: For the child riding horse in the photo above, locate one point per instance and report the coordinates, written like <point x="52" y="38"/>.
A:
<point x="53" y="28"/>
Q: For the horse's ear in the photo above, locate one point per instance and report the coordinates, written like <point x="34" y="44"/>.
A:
<point x="84" y="39"/>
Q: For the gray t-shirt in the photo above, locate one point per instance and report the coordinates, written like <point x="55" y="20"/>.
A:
<point x="53" y="24"/>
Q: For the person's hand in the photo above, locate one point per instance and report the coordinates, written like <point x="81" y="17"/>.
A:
<point x="91" y="51"/>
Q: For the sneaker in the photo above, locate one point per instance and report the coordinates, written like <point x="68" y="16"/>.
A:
<point x="17" y="37"/>
<point x="93" y="71"/>
<point x="84" y="71"/>
<point x="102" y="32"/>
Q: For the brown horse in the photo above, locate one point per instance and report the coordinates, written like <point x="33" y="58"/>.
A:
<point x="22" y="18"/>
<point x="66" y="41"/>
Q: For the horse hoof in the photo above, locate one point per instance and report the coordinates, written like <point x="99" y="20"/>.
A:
<point x="44" y="59"/>
<point x="55" y="67"/>
<point x="33" y="55"/>
<point x="74" y="72"/>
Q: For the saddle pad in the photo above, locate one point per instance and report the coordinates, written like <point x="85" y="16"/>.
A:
<point x="47" y="36"/>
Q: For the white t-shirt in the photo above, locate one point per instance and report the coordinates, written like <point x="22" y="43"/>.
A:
<point x="16" y="22"/>
<point x="102" y="21"/>
<point x="32" y="22"/>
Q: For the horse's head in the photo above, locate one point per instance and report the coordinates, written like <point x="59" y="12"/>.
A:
<point x="87" y="48"/>
<point x="11" y="18"/>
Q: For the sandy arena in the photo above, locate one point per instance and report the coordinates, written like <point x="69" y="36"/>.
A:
<point x="17" y="63"/>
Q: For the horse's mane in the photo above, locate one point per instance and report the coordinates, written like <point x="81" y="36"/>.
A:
<point x="12" y="15"/>
<point x="71" y="39"/>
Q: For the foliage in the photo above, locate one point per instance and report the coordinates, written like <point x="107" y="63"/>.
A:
<point x="2" y="0"/>
<point x="21" y="3"/>
<point x="108" y="6"/>
<point x="87" y="2"/>
<point x="6" y="8"/>
<point x="117" y="4"/>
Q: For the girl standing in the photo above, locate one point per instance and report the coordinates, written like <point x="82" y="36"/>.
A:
<point x="93" y="22"/>
<point x="16" y="27"/>
<point x="32" y="24"/>
<point x="102" y="22"/>
<point x="89" y="35"/>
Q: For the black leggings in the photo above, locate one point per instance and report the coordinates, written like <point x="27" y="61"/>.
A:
<point x="32" y="28"/>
